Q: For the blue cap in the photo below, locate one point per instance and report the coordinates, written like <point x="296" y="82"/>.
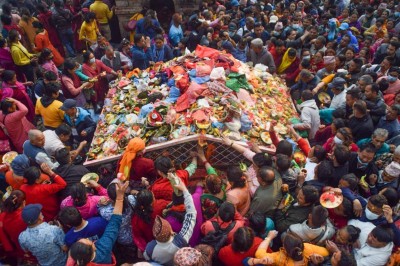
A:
<point x="344" y="26"/>
<point x="30" y="213"/>
<point x="234" y="3"/>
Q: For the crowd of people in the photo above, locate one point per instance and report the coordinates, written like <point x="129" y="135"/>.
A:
<point x="340" y="60"/>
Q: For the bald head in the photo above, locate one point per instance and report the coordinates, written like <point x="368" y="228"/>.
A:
<point x="36" y="137"/>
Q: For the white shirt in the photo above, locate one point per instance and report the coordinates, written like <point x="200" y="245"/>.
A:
<point x="339" y="101"/>
<point x="52" y="142"/>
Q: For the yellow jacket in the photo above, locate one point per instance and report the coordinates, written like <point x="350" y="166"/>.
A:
<point x="20" y="54"/>
<point x="103" y="13"/>
<point x="52" y="115"/>
<point x="89" y="31"/>
<point x="281" y="259"/>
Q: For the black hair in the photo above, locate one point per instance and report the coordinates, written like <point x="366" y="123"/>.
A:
<point x="112" y="194"/>
<point x="46" y="52"/>
<point x="6" y="8"/>
<point x="391" y="195"/>
<point x="354" y="233"/>
<point x="63" y="129"/>
<point x="262" y="159"/>
<point x="354" y="93"/>
<point x="347" y="208"/>
<point x="163" y="164"/>
<point x="7" y="75"/>
<point x="6" y="19"/>
<point x="32" y="174"/>
<point x="144" y="205"/>
<point x="383" y="234"/>
<point x="5" y="105"/>
<point x="293" y="246"/>
<point x="370" y="148"/>
<point x="311" y="194"/>
<point x="292" y="52"/>
<point x="37" y="25"/>
<point x="86" y="56"/>
<point x="341" y="153"/>
<point x="307" y="95"/>
<point x="50" y="76"/>
<point x="284" y="147"/>
<point x="226" y="211"/>
<point x="70" y="217"/>
<point x="63" y="156"/>
<point x="78" y="194"/>
<point x="339" y="113"/>
<point x="89" y="16"/>
<point x="13" y="35"/>
<point x="383" y="84"/>
<point x="318" y="216"/>
<point x="243" y="239"/>
<point x="360" y="106"/>
<point x="258" y="222"/>
<point x="265" y="172"/>
<point x="158" y="37"/>
<point x="81" y="253"/>
<point x="3" y="42"/>
<point x="352" y="180"/>
<point x="69" y="64"/>
<point x="235" y="177"/>
<point x="58" y="3"/>
<point x="137" y="38"/>
<point x="374" y="87"/>
<point x="213" y="184"/>
<point x="14" y="201"/>
<point x="319" y="153"/>
<point x="283" y="162"/>
<point x="52" y="88"/>
<point x="346" y="259"/>
<point x="378" y="200"/>
<point x="324" y="172"/>
<point x="148" y="19"/>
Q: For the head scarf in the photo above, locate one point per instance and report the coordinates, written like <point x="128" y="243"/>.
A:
<point x="134" y="146"/>
<point x="286" y="62"/>
<point x="162" y="230"/>
<point x="19" y="164"/>
<point x="187" y="257"/>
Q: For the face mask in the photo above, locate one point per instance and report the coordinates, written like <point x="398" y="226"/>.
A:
<point x="370" y="215"/>
<point x="361" y="164"/>
<point x="19" y="37"/>
<point x="92" y="60"/>
<point x="337" y="140"/>
<point x="296" y="26"/>
<point x="308" y="57"/>
<point x="262" y="7"/>
<point x="391" y="79"/>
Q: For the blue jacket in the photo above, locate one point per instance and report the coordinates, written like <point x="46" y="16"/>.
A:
<point x="140" y="58"/>
<point x="83" y="121"/>
<point x="150" y="31"/>
<point x="353" y="41"/>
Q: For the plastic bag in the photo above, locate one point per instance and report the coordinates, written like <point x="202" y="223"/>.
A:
<point x="218" y="73"/>
<point x="204" y="68"/>
<point x="202" y="51"/>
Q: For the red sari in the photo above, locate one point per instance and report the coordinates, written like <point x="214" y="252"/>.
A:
<point x="45" y="19"/>
<point x="42" y="41"/>
<point x="18" y="92"/>
<point x="101" y="86"/>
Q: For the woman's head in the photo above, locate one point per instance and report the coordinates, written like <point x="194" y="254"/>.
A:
<point x="45" y="55"/>
<point x="235" y="177"/>
<point x="262" y="159"/>
<point x="347" y="235"/>
<point x="345" y="209"/>
<point x="336" y="124"/>
<point x="144" y="205"/>
<point x="7" y="106"/>
<point x="32" y="175"/>
<point x="13" y="36"/>
<point x="70" y="65"/>
<point x="88" y="57"/>
<point x="78" y="194"/>
<point x="344" y="135"/>
<point x="349" y="181"/>
<point x="243" y="239"/>
<point x="213" y="184"/>
<point x="82" y="251"/>
<point x="15" y="201"/>
<point x="258" y="222"/>
<point x="293" y="246"/>
<point x="163" y="165"/>
<point x="318" y="57"/>
<point x="38" y="26"/>
<point x="90" y="17"/>
<point x="349" y="53"/>
<point x="9" y="76"/>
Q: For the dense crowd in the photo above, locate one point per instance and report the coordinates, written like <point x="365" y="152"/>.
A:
<point x="339" y="205"/>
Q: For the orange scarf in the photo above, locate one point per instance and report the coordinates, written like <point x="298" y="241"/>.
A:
<point x="135" y="145"/>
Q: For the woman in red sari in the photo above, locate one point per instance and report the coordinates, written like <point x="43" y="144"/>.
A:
<point x="44" y="16"/>
<point x="94" y="68"/>
<point x="317" y="62"/>
<point x="6" y="60"/>
<point x="11" y="88"/>
<point x="42" y="41"/>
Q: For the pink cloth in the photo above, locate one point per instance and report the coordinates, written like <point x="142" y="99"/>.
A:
<point x="18" y="92"/>
<point x="90" y="208"/>
<point x="17" y="126"/>
<point x="50" y="66"/>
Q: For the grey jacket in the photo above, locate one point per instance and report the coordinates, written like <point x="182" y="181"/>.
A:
<point x="309" y="117"/>
<point x="264" y="58"/>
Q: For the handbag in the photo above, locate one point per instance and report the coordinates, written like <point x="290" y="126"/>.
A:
<point x="5" y="145"/>
<point x="131" y="25"/>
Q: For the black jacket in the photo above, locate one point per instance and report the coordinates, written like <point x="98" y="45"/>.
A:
<point x="361" y="127"/>
<point x="72" y="174"/>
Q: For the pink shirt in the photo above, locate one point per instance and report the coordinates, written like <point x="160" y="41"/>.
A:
<point x="90" y="208"/>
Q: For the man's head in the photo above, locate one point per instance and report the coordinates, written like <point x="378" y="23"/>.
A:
<point x="49" y="76"/>
<point x="337" y="85"/>
<point x="32" y="214"/>
<point x="307" y="195"/>
<point x="52" y="90"/>
<point x="363" y="81"/>
<point x="379" y="137"/>
<point x="266" y="176"/>
<point x="393" y="112"/>
<point x="63" y="156"/>
<point x="371" y="91"/>
<point x="63" y="132"/>
<point x="355" y="65"/>
<point x="387" y="63"/>
<point x="366" y="155"/>
<point x="341" y="154"/>
<point x="391" y="172"/>
<point x="292" y="35"/>
<point x="69" y="107"/>
<point x="344" y="27"/>
<point x="307" y="95"/>
<point x="257" y="45"/>
<point x="249" y="23"/>
<point x="320" y="42"/>
<point x="345" y="41"/>
<point x="110" y="52"/>
<point x="391" y="48"/>
<point x="329" y="63"/>
<point x="306" y="75"/>
<point x="380" y="237"/>
<point x="343" y="258"/>
<point x="139" y="40"/>
<point x="359" y="109"/>
<point x="36" y="137"/>
<point x="70" y="217"/>
<point x="226" y="212"/>
<point x="177" y="18"/>
<point x="317" y="217"/>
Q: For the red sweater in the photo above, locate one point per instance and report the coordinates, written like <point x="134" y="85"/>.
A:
<point x="229" y="257"/>
<point x="162" y="188"/>
<point x="142" y="167"/>
<point x="143" y="232"/>
<point x="11" y="225"/>
<point x="45" y="194"/>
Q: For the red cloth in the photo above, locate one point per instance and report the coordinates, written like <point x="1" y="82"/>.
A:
<point x="45" y="19"/>
<point x="11" y="225"/>
<point x="207" y="226"/>
<point x="162" y="188"/>
<point x="18" y="92"/>
<point x="143" y="232"/>
<point x="229" y="257"/>
<point x="142" y="167"/>
<point x="45" y="194"/>
<point x="101" y="86"/>
<point x="328" y="146"/>
<point x="338" y="221"/>
<point x="322" y="135"/>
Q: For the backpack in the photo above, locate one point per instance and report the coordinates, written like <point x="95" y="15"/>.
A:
<point x="219" y="237"/>
<point x="131" y="25"/>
